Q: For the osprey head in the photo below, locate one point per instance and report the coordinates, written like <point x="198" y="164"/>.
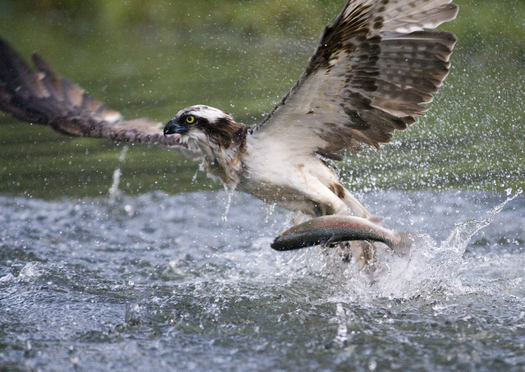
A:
<point x="204" y="124"/>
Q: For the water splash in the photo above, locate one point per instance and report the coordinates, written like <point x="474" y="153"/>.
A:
<point x="342" y="329"/>
<point x="123" y="153"/>
<point x="29" y="272"/>
<point x="434" y="268"/>
<point x="199" y="169"/>
<point x="114" y="191"/>
<point x="228" y="204"/>
<point x="430" y="267"/>
<point x="270" y="208"/>
<point x="461" y="236"/>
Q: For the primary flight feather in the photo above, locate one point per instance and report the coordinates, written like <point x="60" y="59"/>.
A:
<point x="373" y="69"/>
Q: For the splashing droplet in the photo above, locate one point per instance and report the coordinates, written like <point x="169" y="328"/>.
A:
<point x="270" y="208"/>
<point x="342" y="329"/>
<point x="228" y="204"/>
<point x="114" y="191"/>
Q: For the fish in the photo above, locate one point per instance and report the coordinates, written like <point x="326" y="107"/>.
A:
<point x="328" y="230"/>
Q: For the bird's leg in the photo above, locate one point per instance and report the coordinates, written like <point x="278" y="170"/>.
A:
<point x="365" y="253"/>
<point x="299" y="218"/>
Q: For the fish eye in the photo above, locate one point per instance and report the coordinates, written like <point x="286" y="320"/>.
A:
<point x="190" y="119"/>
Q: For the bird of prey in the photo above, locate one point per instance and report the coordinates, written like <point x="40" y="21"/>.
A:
<point x="373" y="68"/>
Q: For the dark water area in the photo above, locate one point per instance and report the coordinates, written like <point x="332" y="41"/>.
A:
<point x="168" y="282"/>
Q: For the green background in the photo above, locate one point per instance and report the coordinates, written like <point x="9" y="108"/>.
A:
<point x="153" y="58"/>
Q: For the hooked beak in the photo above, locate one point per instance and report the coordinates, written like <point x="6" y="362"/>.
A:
<point x="173" y="126"/>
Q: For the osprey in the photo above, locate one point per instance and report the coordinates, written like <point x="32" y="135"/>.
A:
<point x="374" y="67"/>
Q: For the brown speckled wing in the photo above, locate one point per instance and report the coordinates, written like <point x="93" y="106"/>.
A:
<point x="371" y="72"/>
<point x="41" y="96"/>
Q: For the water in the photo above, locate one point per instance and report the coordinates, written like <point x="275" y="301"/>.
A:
<point x="161" y="282"/>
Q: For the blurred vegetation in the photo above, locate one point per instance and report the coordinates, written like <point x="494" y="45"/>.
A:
<point x="152" y="58"/>
<point x="482" y="22"/>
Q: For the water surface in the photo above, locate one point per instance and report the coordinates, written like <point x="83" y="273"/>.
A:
<point x="162" y="282"/>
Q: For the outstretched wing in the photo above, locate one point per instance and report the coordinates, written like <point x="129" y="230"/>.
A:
<point x="41" y="96"/>
<point x="371" y="72"/>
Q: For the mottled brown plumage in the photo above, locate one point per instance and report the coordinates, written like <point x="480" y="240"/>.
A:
<point x="371" y="72"/>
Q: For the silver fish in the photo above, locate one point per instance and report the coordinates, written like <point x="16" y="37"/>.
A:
<point x="334" y="229"/>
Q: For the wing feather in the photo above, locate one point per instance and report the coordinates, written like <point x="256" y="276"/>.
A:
<point x="371" y="72"/>
<point x="41" y="96"/>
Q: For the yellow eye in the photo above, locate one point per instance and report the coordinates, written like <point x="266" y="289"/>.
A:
<point x="190" y="119"/>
